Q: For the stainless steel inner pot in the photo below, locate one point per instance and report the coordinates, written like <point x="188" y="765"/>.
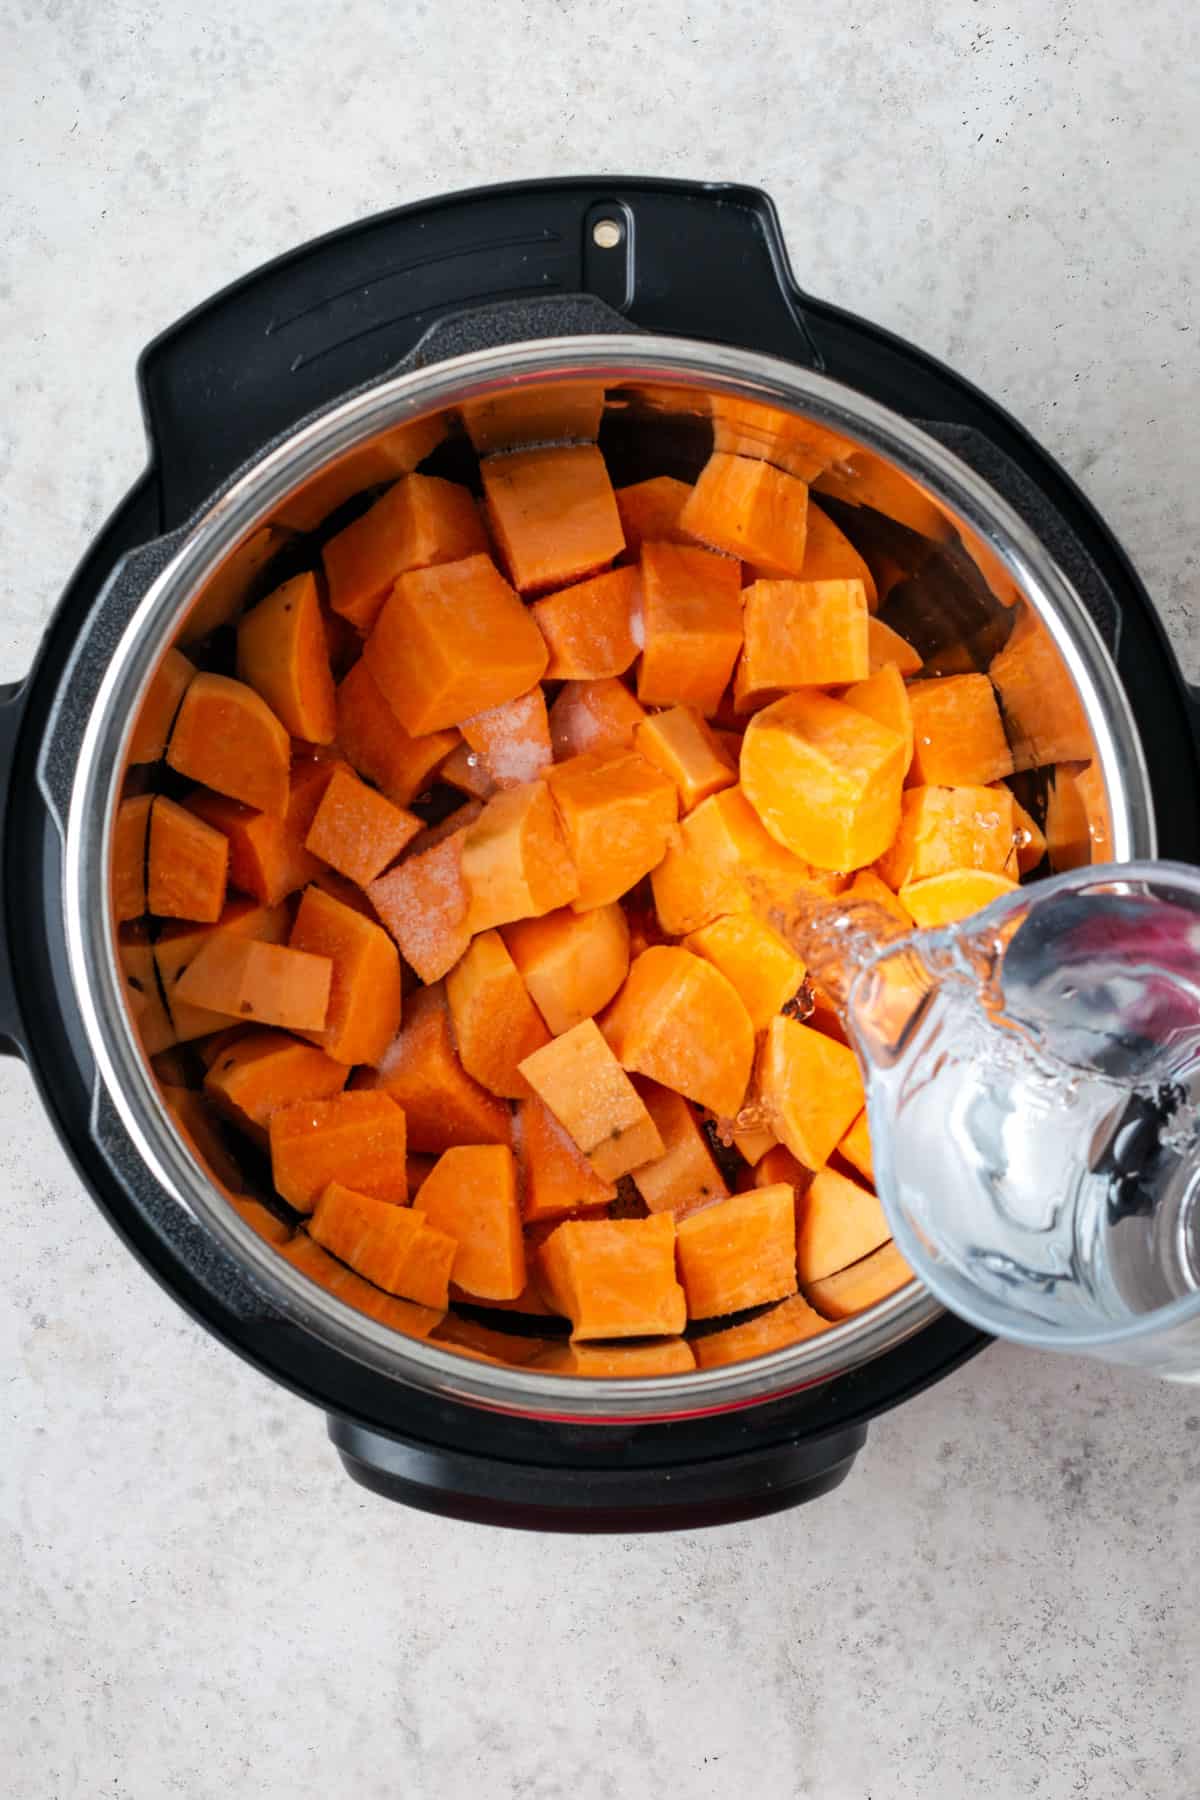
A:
<point x="668" y="388"/>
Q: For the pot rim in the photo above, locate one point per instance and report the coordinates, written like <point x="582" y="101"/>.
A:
<point x="249" y="502"/>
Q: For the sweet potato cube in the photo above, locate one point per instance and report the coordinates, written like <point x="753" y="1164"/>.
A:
<point x="790" y="1322"/>
<point x="958" y="738"/>
<point x="422" y="1073"/>
<point x="830" y="556"/>
<point x="357" y="830"/>
<point x="513" y="739"/>
<point x="187" y="864"/>
<point x="764" y="971"/>
<point x="593" y="715"/>
<point x="262" y="984"/>
<point x="449" y="642"/>
<point x="552" y="514"/>
<point x="649" y="510"/>
<point x="810" y="1087"/>
<point x="887" y="646"/>
<point x="557" y="1179"/>
<point x="264" y="1070"/>
<point x="683" y="746"/>
<point x="283" y="653"/>
<point x="837" y="1223"/>
<point x="615" y="809"/>
<point x="472" y="1196"/>
<point x="1042" y="707"/>
<point x="824" y="779"/>
<point x="572" y="963"/>
<point x="226" y="737"/>
<point x="392" y="1246"/>
<point x="679" y="1021"/>
<point x="267" y="855"/>
<point x="131" y="832"/>
<point x="317" y="1264"/>
<point x="955" y="894"/>
<point x="580" y="1080"/>
<point x="863" y="478"/>
<point x="374" y="742"/>
<point x="393" y="452"/>
<point x="720" y="860"/>
<point x="354" y="1137"/>
<point x="178" y="944"/>
<point x="943" y="828"/>
<point x="468" y="771"/>
<point x="884" y="698"/>
<point x="1029" y="840"/>
<point x="424" y="904"/>
<point x="686" y="1175"/>
<point x="567" y="412"/>
<point x="1067" y="836"/>
<point x="692" y="625"/>
<point x="515" y="860"/>
<point x="801" y="634"/>
<point x="420" y="521"/>
<point x="154" y="1025"/>
<point x="496" y="1025"/>
<point x="856" y="1147"/>
<point x="867" y="885"/>
<point x="778" y="1164"/>
<point x="863" y="1284"/>
<point x="739" y="1253"/>
<point x="615" y="1278"/>
<point x="751" y="510"/>
<point x="156" y="715"/>
<point x="748" y="428"/>
<point x="606" y="1362"/>
<point x="364" y="997"/>
<point x="588" y="628"/>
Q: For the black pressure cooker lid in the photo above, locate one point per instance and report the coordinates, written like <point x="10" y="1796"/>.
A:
<point x="242" y="370"/>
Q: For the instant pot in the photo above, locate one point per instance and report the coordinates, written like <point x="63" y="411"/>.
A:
<point x="269" y="410"/>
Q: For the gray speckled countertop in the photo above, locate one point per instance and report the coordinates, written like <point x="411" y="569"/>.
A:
<point x="1004" y="1600"/>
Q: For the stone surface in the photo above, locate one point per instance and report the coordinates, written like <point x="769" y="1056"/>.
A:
<point x="1004" y="1600"/>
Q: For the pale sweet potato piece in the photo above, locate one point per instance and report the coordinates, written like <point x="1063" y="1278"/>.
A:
<point x="178" y="944"/>
<point x="513" y="739"/>
<point x="593" y="715"/>
<point x="553" y="514"/>
<point x="615" y="809"/>
<point x="580" y="1080"/>
<point x="810" y="1087"/>
<point x="679" y="1021"/>
<point x="226" y="737"/>
<point x="682" y="744"/>
<point x="686" y="1175"/>
<point x="958" y="739"/>
<point x="421" y="520"/>
<point x="358" y="830"/>
<point x="472" y="1196"/>
<point x="615" y="1278"/>
<point x="468" y="771"/>
<point x="263" y="984"/>
<point x="496" y="1024"/>
<point x="422" y="1073"/>
<point x="557" y="1179"/>
<point x="374" y="742"/>
<point x="751" y="510"/>
<point x="187" y="864"/>
<point x="692" y="625"/>
<point x="515" y="860"/>
<point x="391" y="1246"/>
<point x="364" y="997"/>
<point x="156" y="715"/>
<point x="589" y="627"/>
<point x="283" y="653"/>
<point x="424" y="904"/>
<point x="739" y="1253"/>
<point x="353" y="1137"/>
<point x="572" y="963"/>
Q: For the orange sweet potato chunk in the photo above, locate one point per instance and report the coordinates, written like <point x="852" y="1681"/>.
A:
<point x="811" y="1089"/>
<point x="867" y="885"/>
<point x="615" y="1278"/>
<point x="1029" y="840"/>
<point x="864" y="479"/>
<point x="422" y="1073"/>
<point x="267" y="855"/>
<point x="593" y="715"/>
<point x="178" y="944"/>
<point x="553" y="515"/>
<point x="374" y="742"/>
<point x="496" y="1025"/>
<point x="606" y="1362"/>
<point x="748" y="428"/>
<point x="579" y="1079"/>
<point x="451" y="641"/>
<point x="692" y="625"/>
<point x="884" y="698"/>
<point x="801" y="634"/>
<point x="515" y="860"/>
<point x="856" y="1147"/>
<point x="352" y="1290"/>
<point x="778" y="1164"/>
<point x="392" y="1246"/>
<point x="262" y="984"/>
<point x="824" y="779"/>
<point x="264" y="1070"/>
<point x="187" y="864"/>
<point x="750" y="510"/>
<point x="830" y="556"/>
<point x="424" y="904"/>
<point x="887" y="646"/>
<point x="739" y="1253"/>
<point x="1045" y="715"/>
<point x="131" y="832"/>
<point x="689" y="753"/>
<point x="790" y="1322"/>
<point x="720" y="860"/>
<point x="572" y="963"/>
<point x="837" y="1223"/>
<point x="364" y="996"/>
<point x="764" y="970"/>
<point x="467" y="770"/>
<point x="147" y="1008"/>
<point x="283" y="653"/>
<point x="226" y="737"/>
<point x="649" y="510"/>
<point x="943" y="828"/>
<point x="567" y="412"/>
<point x="686" y="1175"/>
<point x="953" y="895"/>
<point x="357" y="830"/>
<point x="156" y="715"/>
<point x="513" y="739"/>
<point x="357" y="1137"/>
<point x="471" y="1195"/>
<point x="679" y="1021"/>
<point x="863" y="1284"/>
<point x="958" y="738"/>
<point x="588" y="628"/>
<point x="615" y="810"/>
<point x="557" y="1179"/>
<point x="420" y="521"/>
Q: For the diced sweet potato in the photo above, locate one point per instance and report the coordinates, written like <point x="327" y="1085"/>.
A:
<point x="856" y="1147"/>
<point x="178" y="944"/>
<point x="156" y="715"/>
<point x="396" y="451"/>
<point x="354" y="1137"/>
<point x="958" y="739"/>
<point x="764" y="970"/>
<point x="679" y="1021"/>
<point x="751" y="510"/>
<point x="778" y="1164"/>
<point x="572" y="963"/>
<point x="567" y="412"/>
<point x="824" y="779"/>
<point x="515" y="860"/>
<point x="837" y="1223"/>
<point x="790" y="1322"/>
<point x="1029" y="840"/>
<point x="424" y="904"/>
<point x="420" y="521"/>
<point x="580" y="1080"/>
<point x="884" y="698"/>
<point x="865" y="479"/>
<point x="748" y="428"/>
<point x="472" y="1196"/>
<point x="682" y="745"/>
<point x="265" y="1070"/>
<point x="553" y="515"/>
<point x="753" y="1143"/>
<point x="956" y="894"/>
<point x="264" y="984"/>
<point x="392" y="1246"/>
<point x="649" y="510"/>
<point x="147" y="1008"/>
<point x="686" y="1175"/>
<point x="943" y="828"/>
<point x="863" y="1284"/>
<point x="451" y="641"/>
<point x="692" y="625"/>
<point x="364" y="996"/>
<point x="588" y="628"/>
<point x="402" y="1315"/>
<point x="867" y="885"/>
<point x="830" y="556"/>
<point x="720" y="860"/>
<point x="283" y="653"/>
<point x="357" y="830"/>
<point x="513" y="739"/>
<point x="593" y="715"/>
<point x="224" y="594"/>
<point x="557" y="1179"/>
<point x="615" y="1278"/>
<point x="606" y="1362"/>
<point x="615" y="809"/>
<point x="267" y="855"/>
<point x="739" y="1253"/>
<point x="800" y="634"/>
<point x="810" y="1087"/>
<point x="1076" y="817"/>
<point x="1045" y="716"/>
<point x="467" y="770"/>
<point x="374" y="742"/>
<point x="226" y="737"/>
<point x="188" y="864"/>
<point x="496" y="1025"/>
<point x="422" y="1073"/>
<point x="887" y="646"/>
<point x="131" y="832"/>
